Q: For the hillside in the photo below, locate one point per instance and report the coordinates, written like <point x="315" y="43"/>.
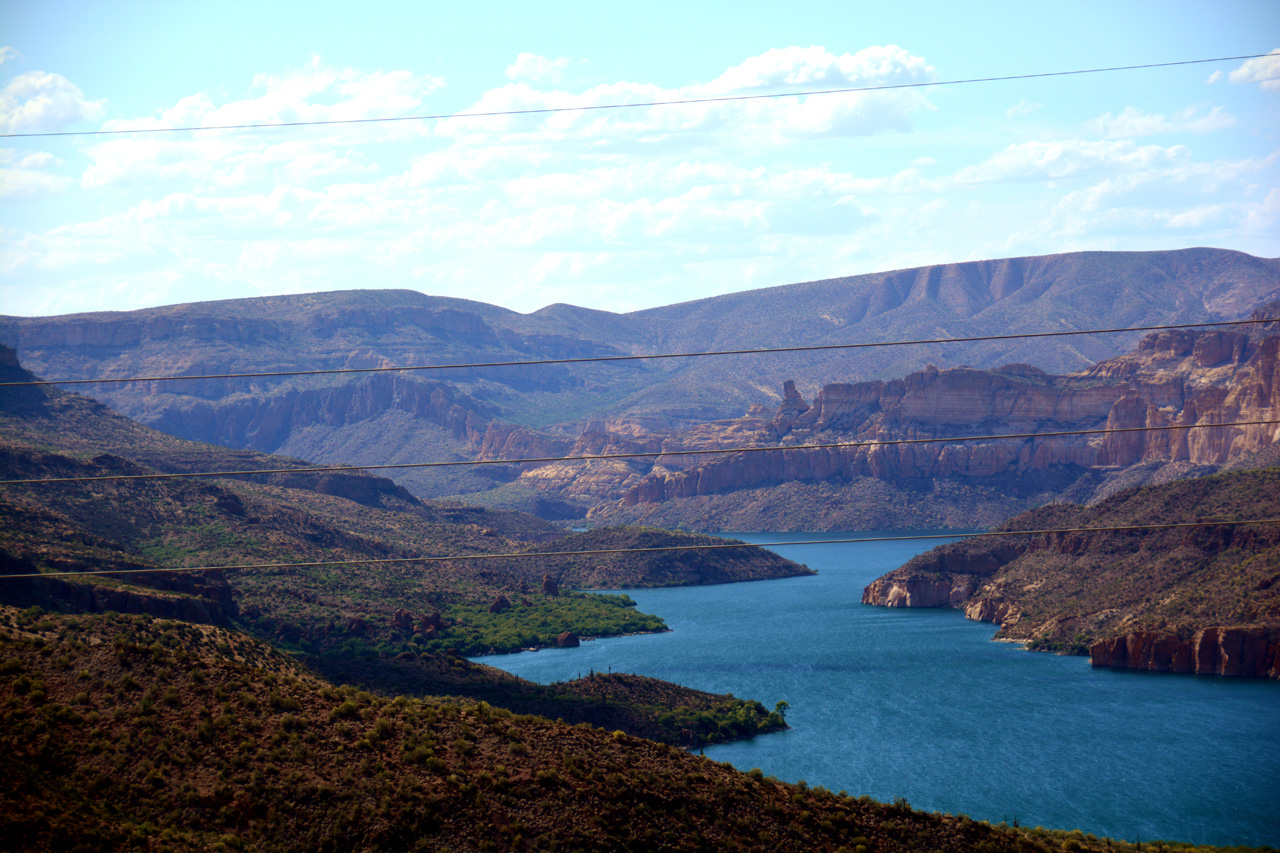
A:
<point x="121" y="732"/>
<point x="540" y="410"/>
<point x="1201" y="600"/>
<point x="386" y="624"/>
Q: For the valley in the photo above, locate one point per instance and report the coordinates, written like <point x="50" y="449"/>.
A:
<point x="264" y="633"/>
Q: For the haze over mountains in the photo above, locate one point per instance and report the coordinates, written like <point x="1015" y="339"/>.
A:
<point x="518" y="412"/>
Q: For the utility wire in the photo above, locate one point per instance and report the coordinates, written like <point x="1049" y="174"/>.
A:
<point x="648" y="454"/>
<point x="595" y="551"/>
<point x="622" y="106"/>
<point x="604" y="358"/>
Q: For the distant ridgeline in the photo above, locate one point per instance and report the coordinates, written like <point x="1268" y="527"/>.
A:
<point x="680" y="404"/>
<point x="1203" y="600"/>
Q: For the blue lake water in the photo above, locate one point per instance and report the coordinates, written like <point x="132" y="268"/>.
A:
<point x="921" y="704"/>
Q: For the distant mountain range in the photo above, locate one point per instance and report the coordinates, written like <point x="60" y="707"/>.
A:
<point x="544" y="410"/>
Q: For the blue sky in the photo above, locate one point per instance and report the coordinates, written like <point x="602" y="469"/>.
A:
<point x="613" y="210"/>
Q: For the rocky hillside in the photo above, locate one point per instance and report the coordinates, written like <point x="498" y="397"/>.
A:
<point x="1202" y="600"/>
<point x="540" y="410"/>
<point x="122" y="732"/>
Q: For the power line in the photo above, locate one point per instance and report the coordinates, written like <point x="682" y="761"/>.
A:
<point x="622" y="106"/>
<point x="648" y="454"/>
<point x="612" y="358"/>
<point x="595" y="551"/>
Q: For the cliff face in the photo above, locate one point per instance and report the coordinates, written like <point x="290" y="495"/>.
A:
<point x="1210" y="651"/>
<point x="1202" y="600"/>
<point x="1172" y="379"/>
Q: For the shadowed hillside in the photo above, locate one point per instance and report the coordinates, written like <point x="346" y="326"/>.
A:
<point x="122" y="732"/>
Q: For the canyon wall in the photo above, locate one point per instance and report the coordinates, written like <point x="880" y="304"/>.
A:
<point x="1174" y="379"/>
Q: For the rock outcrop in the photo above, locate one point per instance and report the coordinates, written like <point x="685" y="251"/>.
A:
<point x="1248" y="652"/>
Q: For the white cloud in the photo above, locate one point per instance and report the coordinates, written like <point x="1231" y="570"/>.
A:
<point x="535" y="68"/>
<point x="763" y="122"/>
<point x="216" y="158"/>
<point x="26" y="175"/>
<point x="1039" y="160"/>
<point x="40" y="102"/>
<point x="315" y="92"/>
<point x="1133" y="122"/>
<point x="1263" y="70"/>
<point x="1022" y="108"/>
<point x="20" y="183"/>
<point x="8" y="54"/>
<point x="613" y="209"/>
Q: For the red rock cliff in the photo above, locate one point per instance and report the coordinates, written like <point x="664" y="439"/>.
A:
<point x="1173" y="379"/>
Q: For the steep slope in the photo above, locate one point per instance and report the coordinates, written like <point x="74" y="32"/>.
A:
<point x="1201" y="600"/>
<point x="438" y="416"/>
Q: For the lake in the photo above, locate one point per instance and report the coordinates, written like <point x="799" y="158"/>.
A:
<point x="921" y="704"/>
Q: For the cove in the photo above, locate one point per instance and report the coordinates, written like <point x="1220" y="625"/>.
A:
<point x="921" y="704"/>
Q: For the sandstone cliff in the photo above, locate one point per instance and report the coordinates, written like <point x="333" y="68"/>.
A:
<point x="1200" y="600"/>
<point x="1172" y="379"/>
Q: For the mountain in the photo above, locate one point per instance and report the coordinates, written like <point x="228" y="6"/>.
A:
<point x="1202" y="600"/>
<point x="541" y="410"/>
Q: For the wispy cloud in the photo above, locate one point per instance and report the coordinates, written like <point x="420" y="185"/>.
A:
<point x="1133" y="122"/>
<point x="1022" y="108"/>
<point x="537" y="69"/>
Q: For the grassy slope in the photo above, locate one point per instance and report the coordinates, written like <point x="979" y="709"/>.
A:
<point x="122" y="732"/>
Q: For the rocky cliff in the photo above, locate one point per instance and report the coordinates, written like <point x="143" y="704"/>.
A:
<point x="1210" y="651"/>
<point x="1202" y="600"/>
<point x="1172" y="379"/>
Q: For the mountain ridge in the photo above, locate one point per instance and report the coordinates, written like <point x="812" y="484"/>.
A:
<point x="536" y="409"/>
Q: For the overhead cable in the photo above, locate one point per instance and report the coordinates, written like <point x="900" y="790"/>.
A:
<point x="596" y="551"/>
<point x="623" y="106"/>
<point x="616" y="358"/>
<point x="648" y="454"/>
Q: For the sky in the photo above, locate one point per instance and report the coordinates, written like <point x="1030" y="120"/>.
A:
<point x="613" y="209"/>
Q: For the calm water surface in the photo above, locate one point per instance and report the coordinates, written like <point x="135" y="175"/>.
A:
<point x="921" y="704"/>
